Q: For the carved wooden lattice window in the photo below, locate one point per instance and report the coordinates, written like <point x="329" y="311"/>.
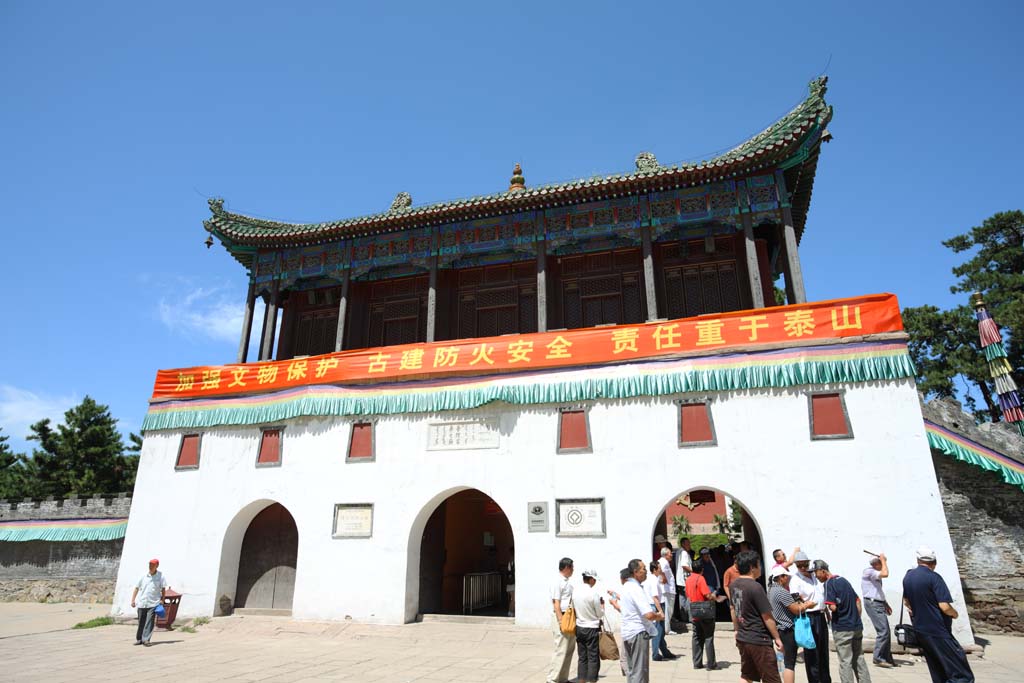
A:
<point x="398" y="312"/>
<point x="497" y="300"/>
<point x="602" y="288"/>
<point x="315" y="333"/>
<point x="700" y="276"/>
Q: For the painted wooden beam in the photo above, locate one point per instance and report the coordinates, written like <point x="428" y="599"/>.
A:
<point x="649" y="289"/>
<point x="250" y="304"/>
<point x="753" y="267"/>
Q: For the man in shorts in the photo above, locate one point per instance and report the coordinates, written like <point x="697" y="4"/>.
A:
<point x="754" y="625"/>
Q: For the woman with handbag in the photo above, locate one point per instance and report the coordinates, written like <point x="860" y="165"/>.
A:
<point x="784" y="608"/>
<point x="702" y="613"/>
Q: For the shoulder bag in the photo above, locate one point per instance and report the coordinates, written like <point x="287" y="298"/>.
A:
<point x="702" y="609"/>
<point x="905" y="633"/>
<point x="607" y="647"/>
<point x="568" y="624"/>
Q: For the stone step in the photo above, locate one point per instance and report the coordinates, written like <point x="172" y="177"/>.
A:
<point x="261" y="612"/>
<point x="466" y="619"/>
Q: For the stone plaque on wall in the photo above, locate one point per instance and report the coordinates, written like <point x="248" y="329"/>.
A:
<point x="353" y="520"/>
<point x="580" y="517"/>
<point x="463" y="435"/>
<point x="537" y="516"/>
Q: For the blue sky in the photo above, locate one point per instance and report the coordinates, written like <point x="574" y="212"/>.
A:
<point x="120" y="119"/>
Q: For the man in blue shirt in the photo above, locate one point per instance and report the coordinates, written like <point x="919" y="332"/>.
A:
<point x="847" y="627"/>
<point x="927" y="598"/>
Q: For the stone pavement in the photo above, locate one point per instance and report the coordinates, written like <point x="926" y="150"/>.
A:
<point x="273" y="649"/>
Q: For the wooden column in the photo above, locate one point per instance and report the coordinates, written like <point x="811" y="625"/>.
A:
<point x="250" y="303"/>
<point x="432" y="288"/>
<point x="542" y="285"/>
<point x="649" y="288"/>
<point x="270" y="323"/>
<point x="263" y="329"/>
<point x="339" y="339"/>
<point x="795" y="293"/>
<point x="753" y="267"/>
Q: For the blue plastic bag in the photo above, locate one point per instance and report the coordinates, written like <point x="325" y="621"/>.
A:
<point x="160" y="611"/>
<point x="802" y="632"/>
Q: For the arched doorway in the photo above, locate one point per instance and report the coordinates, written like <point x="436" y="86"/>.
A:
<point x="464" y="552"/>
<point x="266" y="563"/>
<point x="711" y="519"/>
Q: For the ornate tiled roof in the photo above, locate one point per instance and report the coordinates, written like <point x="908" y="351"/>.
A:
<point x="791" y="143"/>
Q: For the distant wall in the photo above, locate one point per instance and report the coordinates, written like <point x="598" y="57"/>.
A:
<point x="55" y="571"/>
<point x="986" y="524"/>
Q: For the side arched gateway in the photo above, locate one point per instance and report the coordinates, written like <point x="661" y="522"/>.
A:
<point x="258" y="559"/>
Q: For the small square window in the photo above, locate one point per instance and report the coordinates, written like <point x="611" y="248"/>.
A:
<point x="360" y="443"/>
<point x="696" y="428"/>
<point x="573" y="431"/>
<point x="270" y="447"/>
<point x="188" y="452"/>
<point x="828" y="416"/>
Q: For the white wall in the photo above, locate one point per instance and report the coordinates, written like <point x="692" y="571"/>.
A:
<point x="832" y="498"/>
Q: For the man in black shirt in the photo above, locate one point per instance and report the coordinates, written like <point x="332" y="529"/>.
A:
<point x="927" y="597"/>
<point x="752" y="620"/>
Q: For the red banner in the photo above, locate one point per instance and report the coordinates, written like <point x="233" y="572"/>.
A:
<point x="512" y="353"/>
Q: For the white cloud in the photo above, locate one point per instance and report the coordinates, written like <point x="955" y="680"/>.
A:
<point x="20" y="408"/>
<point x="202" y="312"/>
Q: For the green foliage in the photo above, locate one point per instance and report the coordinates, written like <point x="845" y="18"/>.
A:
<point x="944" y="343"/>
<point x="93" y="623"/>
<point x="736" y="518"/>
<point x="708" y="541"/>
<point x="186" y="629"/>
<point x="721" y="522"/>
<point x="201" y="621"/>
<point x="84" y="455"/>
<point x="680" y="526"/>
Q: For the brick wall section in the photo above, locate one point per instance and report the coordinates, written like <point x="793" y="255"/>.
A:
<point x="986" y="522"/>
<point x="66" y="508"/>
<point x="35" y="571"/>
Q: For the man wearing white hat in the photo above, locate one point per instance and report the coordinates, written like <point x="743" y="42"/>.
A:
<point x="589" y="612"/>
<point x="931" y="610"/>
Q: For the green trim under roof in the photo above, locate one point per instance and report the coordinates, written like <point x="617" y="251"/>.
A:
<point x="791" y="143"/>
<point x="63" y="530"/>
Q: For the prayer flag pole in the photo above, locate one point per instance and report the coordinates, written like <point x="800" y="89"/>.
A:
<point x="1002" y="374"/>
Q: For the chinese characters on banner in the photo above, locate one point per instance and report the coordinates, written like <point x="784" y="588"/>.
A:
<point x="800" y="323"/>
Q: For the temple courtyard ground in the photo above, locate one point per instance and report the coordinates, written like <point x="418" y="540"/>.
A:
<point x="38" y="644"/>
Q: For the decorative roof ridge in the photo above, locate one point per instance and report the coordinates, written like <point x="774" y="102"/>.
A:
<point x="812" y="111"/>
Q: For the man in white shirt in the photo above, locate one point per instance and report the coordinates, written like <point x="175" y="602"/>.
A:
<point x="665" y="562"/>
<point x="589" y="606"/>
<point x="684" y="564"/>
<point x="565" y="644"/>
<point x="878" y="609"/>
<point x="149" y="592"/>
<point x="638" y="620"/>
<point x="806" y="586"/>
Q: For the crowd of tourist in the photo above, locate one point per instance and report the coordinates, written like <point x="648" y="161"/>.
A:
<point x="682" y="591"/>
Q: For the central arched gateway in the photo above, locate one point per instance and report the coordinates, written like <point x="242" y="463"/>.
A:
<point x="266" y="564"/>
<point x="711" y="519"/>
<point x="464" y="552"/>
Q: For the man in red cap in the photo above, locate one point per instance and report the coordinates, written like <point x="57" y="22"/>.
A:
<point x="148" y="593"/>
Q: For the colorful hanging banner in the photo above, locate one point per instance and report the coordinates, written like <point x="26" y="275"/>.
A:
<point x="64" y="529"/>
<point x="795" y="324"/>
<point x="972" y="452"/>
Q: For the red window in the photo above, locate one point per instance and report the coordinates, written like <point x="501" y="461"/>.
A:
<point x="828" y="416"/>
<point x="270" y="448"/>
<point x="573" y="431"/>
<point x="188" y="452"/>
<point x="695" y="427"/>
<point x="360" y="444"/>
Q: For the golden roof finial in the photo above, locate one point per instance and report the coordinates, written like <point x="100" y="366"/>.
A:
<point x="518" y="183"/>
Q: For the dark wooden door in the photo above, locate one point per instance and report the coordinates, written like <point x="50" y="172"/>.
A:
<point x="266" y="565"/>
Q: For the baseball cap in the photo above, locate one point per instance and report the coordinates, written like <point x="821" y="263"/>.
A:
<point x="659" y="539"/>
<point x="778" y="571"/>
<point x="801" y="557"/>
<point x="705" y="551"/>
<point x="820" y="564"/>
<point x="925" y="554"/>
<point x="591" y="573"/>
<point x="154" y="561"/>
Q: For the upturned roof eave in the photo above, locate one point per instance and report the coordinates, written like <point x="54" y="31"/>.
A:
<point x="769" y="149"/>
